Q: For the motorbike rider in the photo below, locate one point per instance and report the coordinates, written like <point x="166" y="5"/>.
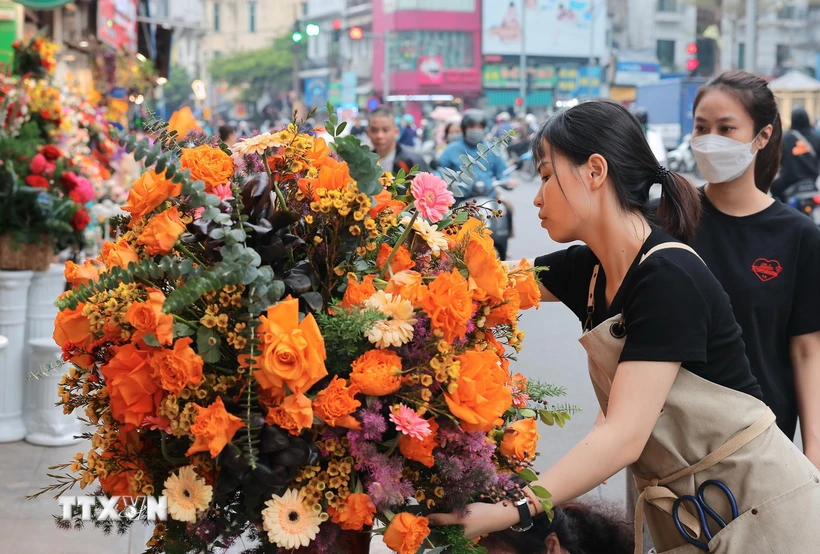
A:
<point x="801" y="157"/>
<point x="474" y="130"/>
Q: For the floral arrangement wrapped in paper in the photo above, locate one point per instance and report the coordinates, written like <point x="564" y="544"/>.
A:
<point x="290" y="344"/>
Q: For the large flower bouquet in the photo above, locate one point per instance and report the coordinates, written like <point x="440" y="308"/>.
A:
<point x="292" y="345"/>
<point x="34" y="57"/>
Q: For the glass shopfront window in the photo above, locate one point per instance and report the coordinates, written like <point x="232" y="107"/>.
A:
<point x="454" y="47"/>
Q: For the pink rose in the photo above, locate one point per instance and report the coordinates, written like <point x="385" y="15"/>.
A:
<point x="38" y="164"/>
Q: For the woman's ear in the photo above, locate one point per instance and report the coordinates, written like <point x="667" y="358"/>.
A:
<point x="597" y="170"/>
<point x="553" y="544"/>
<point x="763" y="137"/>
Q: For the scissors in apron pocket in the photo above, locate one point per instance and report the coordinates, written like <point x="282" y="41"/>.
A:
<point x="703" y="509"/>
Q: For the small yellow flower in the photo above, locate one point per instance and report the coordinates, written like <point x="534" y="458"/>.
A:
<point x="309" y="219"/>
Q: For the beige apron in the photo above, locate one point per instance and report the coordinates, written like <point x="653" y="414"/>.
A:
<point x="707" y="431"/>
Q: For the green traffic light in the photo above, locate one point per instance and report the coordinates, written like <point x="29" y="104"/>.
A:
<point x="312" y="30"/>
<point x="296" y="36"/>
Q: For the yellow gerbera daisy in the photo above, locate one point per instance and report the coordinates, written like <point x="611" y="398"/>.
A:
<point x="289" y="522"/>
<point x="187" y="493"/>
<point x="257" y="144"/>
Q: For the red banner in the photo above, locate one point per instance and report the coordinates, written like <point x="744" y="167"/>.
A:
<point x="117" y="23"/>
<point x="431" y="70"/>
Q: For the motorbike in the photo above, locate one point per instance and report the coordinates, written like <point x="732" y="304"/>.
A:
<point x="501" y="227"/>
<point x="681" y="159"/>
<point x="521" y="159"/>
<point x="804" y="196"/>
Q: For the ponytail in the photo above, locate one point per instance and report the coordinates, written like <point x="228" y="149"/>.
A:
<point x="680" y="208"/>
<point x="758" y="100"/>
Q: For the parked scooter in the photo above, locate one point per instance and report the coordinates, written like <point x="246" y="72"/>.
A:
<point x="804" y="196"/>
<point x="681" y="159"/>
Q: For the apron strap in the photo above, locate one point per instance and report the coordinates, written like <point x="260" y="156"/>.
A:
<point x="591" y="299"/>
<point x="667" y="246"/>
<point x="657" y="494"/>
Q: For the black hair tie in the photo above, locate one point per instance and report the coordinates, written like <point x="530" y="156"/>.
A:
<point x="660" y="174"/>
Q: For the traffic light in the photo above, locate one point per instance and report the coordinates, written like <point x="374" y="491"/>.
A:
<point x="692" y="48"/>
<point x="337" y="30"/>
<point x="707" y="56"/>
<point x="519" y="101"/>
<point x="356" y="33"/>
<point x="692" y="63"/>
<point x="312" y="30"/>
<point x="530" y="81"/>
<point x="297" y="35"/>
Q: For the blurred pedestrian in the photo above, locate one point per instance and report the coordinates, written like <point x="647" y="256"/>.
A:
<point x="227" y="134"/>
<point x="408" y="131"/>
<point x="393" y="156"/>
<point x="801" y="157"/>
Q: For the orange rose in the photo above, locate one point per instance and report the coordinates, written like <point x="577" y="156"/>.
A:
<point x="118" y="254"/>
<point x="335" y="403"/>
<point x="401" y="261"/>
<point x="377" y="372"/>
<point x="382" y="200"/>
<point x="520" y="440"/>
<point x="72" y="326"/>
<point x="183" y="122"/>
<point x="208" y="164"/>
<point x="333" y="175"/>
<point x="406" y="533"/>
<point x="162" y="232"/>
<point x="507" y="311"/>
<point x="147" y="193"/>
<point x="449" y="304"/>
<point x="148" y="318"/>
<point x="485" y="270"/>
<point x="295" y="414"/>
<point x="80" y="274"/>
<point x="481" y="395"/>
<point x="356" y="513"/>
<point x="293" y="353"/>
<point x="131" y="387"/>
<point x="417" y="450"/>
<point x="213" y="428"/>
<point x="356" y="293"/>
<point x="318" y="153"/>
<point x="177" y="368"/>
<point x="474" y="230"/>
<point x="529" y="295"/>
<point x="409" y="285"/>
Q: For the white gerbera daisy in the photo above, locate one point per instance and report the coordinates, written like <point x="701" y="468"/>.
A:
<point x="397" y="329"/>
<point x="289" y="522"/>
<point x="435" y="239"/>
<point x="187" y="493"/>
<point x="257" y="144"/>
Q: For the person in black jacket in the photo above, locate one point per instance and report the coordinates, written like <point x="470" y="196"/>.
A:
<point x="801" y="156"/>
<point x="383" y="133"/>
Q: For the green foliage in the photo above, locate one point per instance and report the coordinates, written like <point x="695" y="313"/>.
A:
<point x="364" y="164"/>
<point x="344" y="336"/>
<point x="258" y="71"/>
<point x="177" y="90"/>
<point x="466" y="173"/>
<point x="452" y="536"/>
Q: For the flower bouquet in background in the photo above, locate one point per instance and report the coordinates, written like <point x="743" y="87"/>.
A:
<point x="292" y="345"/>
<point x="34" y="58"/>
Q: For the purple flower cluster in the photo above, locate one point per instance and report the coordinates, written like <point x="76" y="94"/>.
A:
<point x="417" y="352"/>
<point x="465" y="465"/>
<point x="250" y="164"/>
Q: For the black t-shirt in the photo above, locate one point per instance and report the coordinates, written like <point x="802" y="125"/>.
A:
<point x="800" y="160"/>
<point x="674" y="310"/>
<point x="769" y="264"/>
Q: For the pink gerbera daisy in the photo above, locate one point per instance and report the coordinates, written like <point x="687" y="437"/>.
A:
<point x="431" y="195"/>
<point x="409" y="422"/>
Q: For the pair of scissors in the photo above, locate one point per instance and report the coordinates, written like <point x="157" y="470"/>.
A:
<point x="703" y="509"/>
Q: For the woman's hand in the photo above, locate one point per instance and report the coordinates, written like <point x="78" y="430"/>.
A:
<point x="481" y="518"/>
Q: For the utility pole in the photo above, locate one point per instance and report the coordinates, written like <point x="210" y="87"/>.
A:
<point x="751" y="36"/>
<point x="386" y="69"/>
<point x="523" y="68"/>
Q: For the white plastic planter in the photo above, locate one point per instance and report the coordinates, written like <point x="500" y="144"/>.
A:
<point x="46" y="424"/>
<point x="14" y="287"/>
<point x="45" y="287"/>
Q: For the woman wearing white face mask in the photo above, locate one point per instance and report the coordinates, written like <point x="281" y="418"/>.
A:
<point x="765" y="254"/>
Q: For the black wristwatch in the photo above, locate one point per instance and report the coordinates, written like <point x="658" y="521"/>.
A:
<point x="525" y="522"/>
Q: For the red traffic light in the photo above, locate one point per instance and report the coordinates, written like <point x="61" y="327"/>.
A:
<point x="519" y="101"/>
<point x="337" y="24"/>
<point x="692" y="48"/>
<point x="356" y="33"/>
<point x="692" y="64"/>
